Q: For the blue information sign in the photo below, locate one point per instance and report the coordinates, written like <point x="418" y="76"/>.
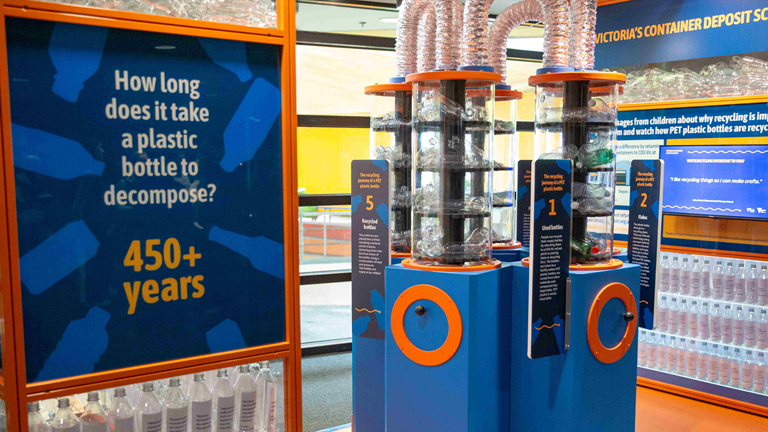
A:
<point x="550" y="257"/>
<point x="524" y="202"/>
<point x="149" y="195"/>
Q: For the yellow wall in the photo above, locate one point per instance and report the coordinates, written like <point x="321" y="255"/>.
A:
<point x="325" y="155"/>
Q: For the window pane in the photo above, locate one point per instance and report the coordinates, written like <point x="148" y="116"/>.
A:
<point x="324" y="239"/>
<point x="326" y="312"/>
<point x="325" y="156"/>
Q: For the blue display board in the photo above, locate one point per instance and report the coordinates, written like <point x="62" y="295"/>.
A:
<point x="654" y="31"/>
<point x="723" y="181"/>
<point x="550" y="257"/>
<point x="149" y="195"/>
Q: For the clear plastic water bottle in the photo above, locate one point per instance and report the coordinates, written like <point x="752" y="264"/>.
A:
<point x="245" y="401"/>
<point x="750" y="329"/>
<point x="740" y="287"/>
<point x="729" y="283"/>
<point x="664" y="266"/>
<point x="176" y="407"/>
<point x="35" y="420"/>
<point x="752" y="279"/>
<point x="738" y="326"/>
<point x="663" y="314"/>
<point x="685" y="277"/>
<point x="691" y="358"/>
<point x="736" y="367"/>
<point x="718" y="283"/>
<point x="716" y="323"/>
<point x="713" y="374"/>
<point x="762" y="330"/>
<point x="223" y="403"/>
<point x="642" y="349"/>
<point x="682" y="318"/>
<point x="94" y="418"/>
<point x="200" y="405"/>
<point x="65" y="420"/>
<point x="703" y="360"/>
<point x="674" y="276"/>
<point x="682" y="356"/>
<point x="706" y="288"/>
<point x="762" y="287"/>
<point x="760" y="373"/>
<point x="149" y="410"/>
<point x="651" y="347"/>
<point x="672" y="315"/>
<point x="693" y="319"/>
<point x="661" y="353"/>
<point x="695" y="278"/>
<point x="725" y="365"/>
<point x="704" y="332"/>
<point x="747" y="370"/>
<point x="269" y="407"/>
<point x="671" y="354"/>
<point x="727" y="325"/>
<point x="121" y="415"/>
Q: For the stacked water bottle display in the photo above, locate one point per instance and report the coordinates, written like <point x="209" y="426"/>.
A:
<point x="241" y="400"/>
<point x="711" y="321"/>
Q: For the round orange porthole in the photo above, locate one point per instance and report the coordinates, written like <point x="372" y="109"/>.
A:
<point x="455" y="329"/>
<point x="612" y="291"/>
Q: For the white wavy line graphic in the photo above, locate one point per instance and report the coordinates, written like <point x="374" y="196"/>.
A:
<point x="727" y="151"/>
<point x="701" y="208"/>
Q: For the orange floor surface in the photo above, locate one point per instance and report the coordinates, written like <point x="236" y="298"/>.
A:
<point x="658" y="412"/>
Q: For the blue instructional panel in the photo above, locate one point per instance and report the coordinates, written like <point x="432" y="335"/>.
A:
<point x="550" y="257"/>
<point x="655" y="31"/>
<point x="524" y="202"/>
<point x="149" y="195"/>
<point x="724" y="181"/>
<point x="645" y="201"/>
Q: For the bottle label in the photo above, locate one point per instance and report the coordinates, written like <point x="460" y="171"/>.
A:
<point x="672" y="319"/>
<point x="691" y="364"/>
<point x="704" y="325"/>
<point x="752" y="287"/>
<point x="725" y="370"/>
<point x="201" y="416"/>
<point x="272" y="404"/>
<point x="695" y="280"/>
<point x="247" y="410"/>
<point x="713" y="369"/>
<point x="685" y="280"/>
<point x="665" y="277"/>
<point x="682" y="322"/>
<point x="124" y="424"/>
<point x="661" y="358"/>
<point x="738" y="332"/>
<point x="714" y="327"/>
<point x="746" y="376"/>
<point x="705" y="284"/>
<point x="750" y="332"/>
<point x="681" y="365"/>
<point x="729" y="287"/>
<point x="735" y="374"/>
<point x="693" y="325"/>
<point x="95" y="426"/>
<point x="717" y="286"/>
<point x="225" y="414"/>
<point x="740" y="287"/>
<point x="702" y="366"/>
<point x="152" y="422"/>
<point x="663" y="319"/>
<point x="176" y="419"/>
<point x="727" y="330"/>
<point x="651" y="355"/>
<point x="674" y="278"/>
<point x="671" y="359"/>
<point x="762" y="335"/>
<point x="759" y="378"/>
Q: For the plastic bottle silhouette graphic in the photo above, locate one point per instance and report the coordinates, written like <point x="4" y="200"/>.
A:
<point x="176" y="407"/>
<point x="760" y="373"/>
<point x="223" y="403"/>
<point x="762" y="330"/>
<point x="69" y="248"/>
<point x="35" y="420"/>
<point x="740" y="287"/>
<point x="762" y="287"/>
<point x="685" y="277"/>
<point x="729" y="283"/>
<point x="725" y="365"/>
<point x="752" y="279"/>
<point x="736" y="367"/>
<point x="225" y="336"/>
<point x="704" y="331"/>
<point x="674" y="276"/>
<point x="65" y="420"/>
<point x="664" y="286"/>
<point x="264" y="254"/>
<point x="200" y="405"/>
<point x="251" y="123"/>
<point x="682" y="318"/>
<point x="663" y="313"/>
<point x="228" y="54"/>
<point x="149" y="410"/>
<point x="695" y="285"/>
<point x="94" y="418"/>
<point x="76" y="52"/>
<point x="245" y="402"/>
<point x="672" y="315"/>
<point x="693" y="319"/>
<point x="715" y="322"/>
<point x="672" y="354"/>
<point x="682" y="356"/>
<point x="72" y="355"/>
<point x="727" y="325"/>
<point x="738" y="326"/>
<point x="718" y="282"/>
<point x="121" y="416"/>
<point x="651" y="351"/>
<point x="714" y="363"/>
<point x="51" y="155"/>
<point x="703" y="360"/>
<point x="642" y="350"/>
<point x="706" y="271"/>
<point x="747" y="370"/>
<point x="750" y="328"/>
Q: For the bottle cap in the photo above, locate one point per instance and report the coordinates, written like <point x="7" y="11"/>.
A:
<point x="199" y="377"/>
<point x="221" y="373"/>
<point x="730" y="264"/>
<point x="738" y="307"/>
<point x="175" y="382"/>
<point x="244" y="368"/>
<point x="33" y="406"/>
<point x="148" y="387"/>
<point x="683" y="301"/>
<point x="706" y="261"/>
<point x="751" y="309"/>
<point x="695" y="260"/>
<point x="754" y="266"/>
<point x="741" y="264"/>
<point x="685" y="259"/>
<point x="120" y="392"/>
<point x="682" y="339"/>
<point x="265" y="363"/>
<point x="737" y="350"/>
<point x="749" y="352"/>
<point x="674" y="259"/>
<point x="63" y="402"/>
<point x="93" y="396"/>
<point x="727" y="306"/>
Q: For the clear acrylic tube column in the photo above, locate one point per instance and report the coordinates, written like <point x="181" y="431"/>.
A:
<point x="391" y="140"/>
<point x="453" y="148"/>
<point x="505" y="157"/>
<point x="576" y="119"/>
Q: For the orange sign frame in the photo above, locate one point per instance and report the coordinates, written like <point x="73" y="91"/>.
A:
<point x="14" y="389"/>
